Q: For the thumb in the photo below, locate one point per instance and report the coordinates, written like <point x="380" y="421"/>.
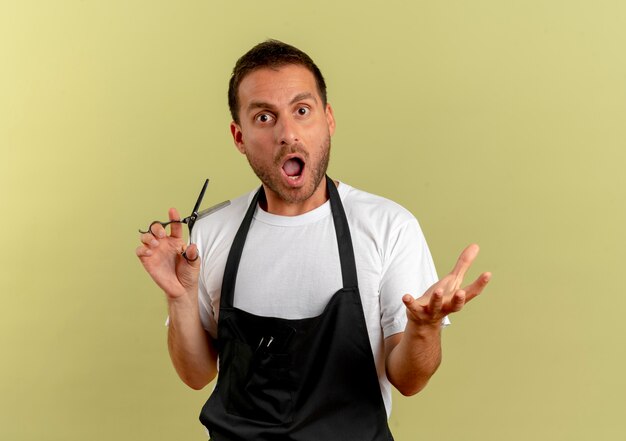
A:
<point x="191" y="255"/>
<point x="188" y="267"/>
<point x="412" y="305"/>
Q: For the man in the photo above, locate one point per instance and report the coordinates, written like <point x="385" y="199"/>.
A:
<point x="305" y="288"/>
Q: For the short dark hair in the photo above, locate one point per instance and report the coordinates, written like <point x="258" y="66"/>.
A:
<point x="272" y="54"/>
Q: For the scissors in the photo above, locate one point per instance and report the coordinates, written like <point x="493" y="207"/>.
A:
<point x="194" y="216"/>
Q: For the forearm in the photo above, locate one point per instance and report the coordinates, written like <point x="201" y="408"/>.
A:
<point x="190" y="347"/>
<point x="414" y="358"/>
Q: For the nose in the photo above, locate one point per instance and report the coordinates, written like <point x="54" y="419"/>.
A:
<point x="287" y="131"/>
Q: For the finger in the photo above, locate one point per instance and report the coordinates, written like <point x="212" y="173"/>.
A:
<point x="458" y="301"/>
<point x="465" y="261"/>
<point x="176" y="229"/>
<point x="143" y="251"/>
<point x="436" y="302"/>
<point x="476" y="287"/>
<point x="149" y="240"/>
<point x="157" y="230"/>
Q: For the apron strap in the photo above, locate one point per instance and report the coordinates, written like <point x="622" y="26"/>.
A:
<point x="234" y="256"/>
<point x="344" y="241"/>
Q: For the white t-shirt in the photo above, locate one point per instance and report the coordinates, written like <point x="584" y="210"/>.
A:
<point x="290" y="264"/>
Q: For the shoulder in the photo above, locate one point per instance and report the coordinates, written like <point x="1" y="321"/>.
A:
<point x="362" y="206"/>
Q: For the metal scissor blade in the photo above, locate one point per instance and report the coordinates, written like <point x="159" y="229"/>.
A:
<point x="199" y="201"/>
<point x="212" y="209"/>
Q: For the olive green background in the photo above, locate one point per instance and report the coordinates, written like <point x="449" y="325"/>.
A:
<point x="497" y="122"/>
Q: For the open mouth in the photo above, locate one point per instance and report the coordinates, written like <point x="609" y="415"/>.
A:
<point x="293" y="168"/>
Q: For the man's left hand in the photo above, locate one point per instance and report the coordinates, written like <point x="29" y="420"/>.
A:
<point x="446" y="296"/>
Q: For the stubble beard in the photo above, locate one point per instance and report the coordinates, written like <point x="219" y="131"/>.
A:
<point x="273" y="180"/>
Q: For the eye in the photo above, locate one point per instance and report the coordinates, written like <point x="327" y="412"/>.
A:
<point x="264" y="118"/>
<point x="303" y="111"/>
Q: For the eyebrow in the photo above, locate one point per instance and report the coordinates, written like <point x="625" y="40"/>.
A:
<point x="303" y="96"/>
<point x="264" y="105"/>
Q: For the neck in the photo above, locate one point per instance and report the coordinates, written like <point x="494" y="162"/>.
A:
<point x="274" y="204"/>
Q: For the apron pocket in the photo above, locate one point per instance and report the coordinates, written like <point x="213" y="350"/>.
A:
<point x="257" y="384"/>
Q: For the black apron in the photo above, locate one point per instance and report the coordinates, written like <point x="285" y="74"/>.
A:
<point x="307" y="379"/>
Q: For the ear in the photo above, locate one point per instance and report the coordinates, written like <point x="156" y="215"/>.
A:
<point x="235" y="130"/>
<point x="330" y="119"/>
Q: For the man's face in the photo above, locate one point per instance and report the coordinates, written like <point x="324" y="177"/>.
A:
<point x="285" y="131"/>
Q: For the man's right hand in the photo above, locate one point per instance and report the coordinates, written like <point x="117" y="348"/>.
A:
<point x="161" y="256"/>
<point x="190" y="347"/>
